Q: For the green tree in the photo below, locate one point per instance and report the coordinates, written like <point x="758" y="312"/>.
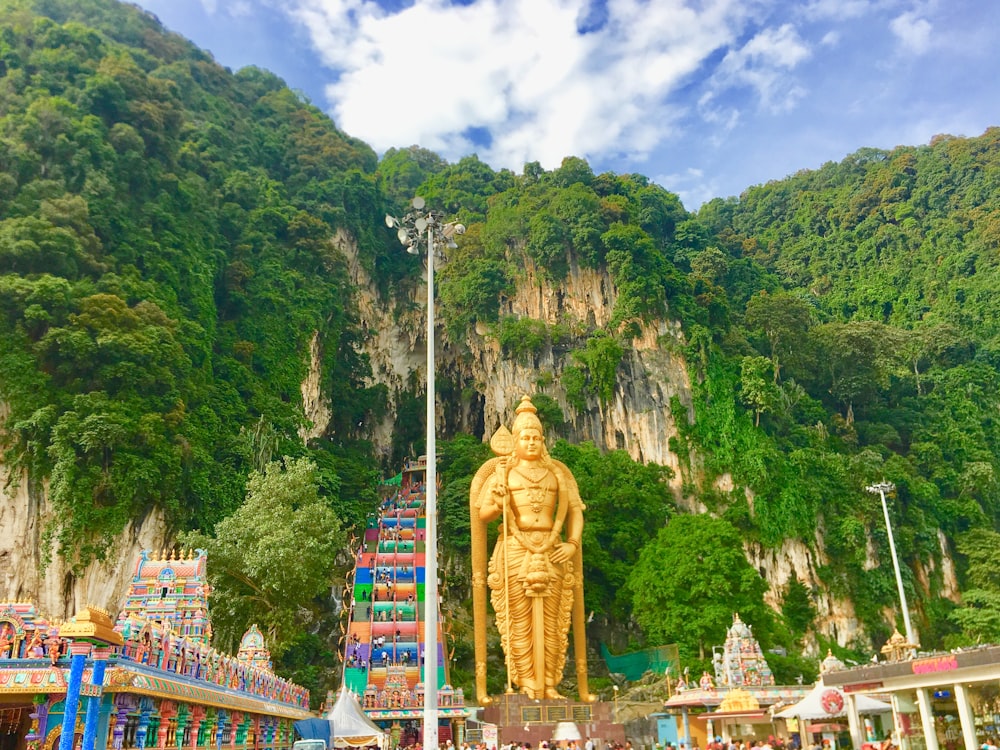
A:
<point x="626" y="503"/>
<point x="601" y="358"/>
<point x="402" y="171"/>
<point x="460" y="458"/>
<point x="797" y="606"/>
<point x="711" y="263"/>
<point x="757" y="389"/>
<point x="273" y="557"/>
<point x="784" y="319"/>
<point x="979" y="614"/>
<point x="857" y="360"/>
<point x="690" y="580"/>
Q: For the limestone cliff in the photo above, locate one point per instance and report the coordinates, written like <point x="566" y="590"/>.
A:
<point x="638" y="418"/>
<point x="58" y="592"/>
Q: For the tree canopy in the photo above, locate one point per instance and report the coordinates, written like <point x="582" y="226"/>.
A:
<point x="273" y="555"/>
<point x="688" y="582"/>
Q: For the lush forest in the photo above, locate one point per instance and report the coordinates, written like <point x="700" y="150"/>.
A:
<point x="166" y="254"/>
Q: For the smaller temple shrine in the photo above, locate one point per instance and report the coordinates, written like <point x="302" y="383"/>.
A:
<point x="151" y="679"/>
<point x="741" y="663"/>
<point x="735" y="701"/>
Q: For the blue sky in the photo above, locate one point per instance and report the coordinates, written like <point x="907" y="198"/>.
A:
<point x="705" y="97"/>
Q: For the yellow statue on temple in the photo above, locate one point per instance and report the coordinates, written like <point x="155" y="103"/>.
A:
<point x="535" y="574"/>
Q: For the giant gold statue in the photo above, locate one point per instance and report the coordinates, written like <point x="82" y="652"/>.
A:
<point x="535" y="573"/>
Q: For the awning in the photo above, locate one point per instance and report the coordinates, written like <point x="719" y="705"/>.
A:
<point x="739" y="715"/>
<point x="314" y="729"/>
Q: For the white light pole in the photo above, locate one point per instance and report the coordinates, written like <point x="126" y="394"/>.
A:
<point x="881" y="488"/>
<point x="416" y="228"/>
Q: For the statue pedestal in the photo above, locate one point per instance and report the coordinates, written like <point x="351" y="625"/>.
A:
<point x="523" y="719"/>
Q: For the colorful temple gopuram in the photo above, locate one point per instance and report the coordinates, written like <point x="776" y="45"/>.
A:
<point x="149" y="680"/>
<point x="735" y="701"/>
<point x="385" y="639"/>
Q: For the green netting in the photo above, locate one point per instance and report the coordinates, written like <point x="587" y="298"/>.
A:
<point x="634" y="665"/>
<point x="396" y="481"/>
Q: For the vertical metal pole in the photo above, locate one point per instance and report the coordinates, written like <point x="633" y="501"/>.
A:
<point x="430" y="545"/>
<point x="895" y="565"/>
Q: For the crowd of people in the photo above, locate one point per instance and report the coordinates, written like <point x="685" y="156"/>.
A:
<point x="771" y="743"/>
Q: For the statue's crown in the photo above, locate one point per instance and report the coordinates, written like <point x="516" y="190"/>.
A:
<point x="527" y="416"/>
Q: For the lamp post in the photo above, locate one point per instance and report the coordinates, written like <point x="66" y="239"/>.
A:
<point x="615" y="688"/>
<point x="881" y="488"/>
<point x="420" y="227"/>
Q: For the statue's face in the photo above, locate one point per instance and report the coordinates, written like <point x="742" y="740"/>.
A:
<point x="529" y="444"/>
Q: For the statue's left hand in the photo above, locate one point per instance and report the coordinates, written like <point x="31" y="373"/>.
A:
<point x="563" y="552"/>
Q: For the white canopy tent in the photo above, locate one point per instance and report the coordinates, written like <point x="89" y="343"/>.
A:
<point x="825" y="705"/>
<point x="824" y="702"/>
<point x="566" y="731"/>
<point x="350" y="727"/>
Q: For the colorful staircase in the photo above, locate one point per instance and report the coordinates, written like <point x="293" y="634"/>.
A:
<point x="385" y="641"/>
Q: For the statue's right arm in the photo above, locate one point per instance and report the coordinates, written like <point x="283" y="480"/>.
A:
<point x="490" y="501"/>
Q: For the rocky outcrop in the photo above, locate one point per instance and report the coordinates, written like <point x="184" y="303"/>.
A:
<point x="637" y="419"/>
<point x="315" y="405"/>
<point x="835" y="617"/>
<point x="58" y="592"/>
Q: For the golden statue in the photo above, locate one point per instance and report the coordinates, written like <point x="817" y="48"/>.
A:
<point x="535" y="574"/>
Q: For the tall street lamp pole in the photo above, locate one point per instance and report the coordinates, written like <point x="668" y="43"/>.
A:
<point x="882" y="488"/>
<point x="425" y="227"/>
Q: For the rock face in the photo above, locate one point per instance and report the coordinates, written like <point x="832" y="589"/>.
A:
<point x="835" y="617"/>
<point x="637" y="418"/>
<point x="314" y="404"/>
<point x="57" y="592"/>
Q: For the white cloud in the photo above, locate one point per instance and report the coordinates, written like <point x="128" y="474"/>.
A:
<point x="691" y="186"/>
<point x="519" y="69"/>
<point x="838" y="10"/>
<point x="657" y="86"/>
<point x="913" y="32"/>
<point x="232" y="8"/>
<point x="762" y="64"/>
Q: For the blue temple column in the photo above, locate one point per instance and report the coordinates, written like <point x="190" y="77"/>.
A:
<point x="145" y="709"/>
<point x="79" y="650"/>
<point x="223" y="717"/>
<point x="94" y="702"/>
<point x="90" y="627"/>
